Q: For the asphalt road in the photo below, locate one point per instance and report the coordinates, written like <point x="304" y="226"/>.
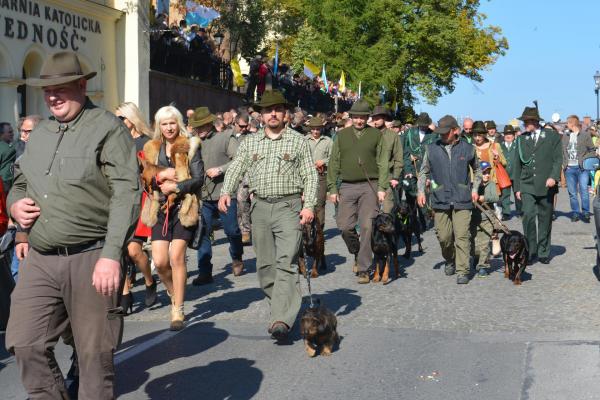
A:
<point x="420" y="337"/>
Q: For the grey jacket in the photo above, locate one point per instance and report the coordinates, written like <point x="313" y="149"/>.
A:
<point x="218" y="150"/>
<point x="585" y="147"/>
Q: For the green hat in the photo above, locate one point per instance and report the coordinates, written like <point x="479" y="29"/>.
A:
<point x="382" y="110"/>
<point x="490" y="125"/>
<point x="508" y="130"/>
<point x="397" y="123"/>
<point x="360" y="107"/>
<point x="59" y="68"/>
<point x="530" y="113"/>
<point x="271" y="98"/>
<point x="201" y="116"/>
<point x="423" y="119"/>
<point x="445" y="125"/>
<point x="479" y="128"/>
<point x="316" y="122"/>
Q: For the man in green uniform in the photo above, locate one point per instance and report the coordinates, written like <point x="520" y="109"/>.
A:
<point x="537" y="170"/>
<point x="509" y="149"/>
<point x="77" y="192"/>
<point x="394" y="154"/>
<point x="358" y="158"/>
<point x="448" y="164"/>
<point x="493" y="135"/>
<point x="280" y="170"/>
<point x="415" y="140"/>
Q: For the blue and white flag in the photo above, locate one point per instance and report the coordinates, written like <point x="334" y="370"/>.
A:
<point x="324" y="79"/>
<point x="199" y="14"/>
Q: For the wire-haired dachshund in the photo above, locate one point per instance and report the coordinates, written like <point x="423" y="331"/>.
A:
<point x="384" y="244"/>
<point x="407" y="224"/>
<point x="312" y="246"/>
<point x="515" y="254"/>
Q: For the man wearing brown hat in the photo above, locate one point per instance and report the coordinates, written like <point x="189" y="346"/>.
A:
<point x="509" y="149"/>
<point x="280" y="170"/>
<point x="447" y="164"/>
<point x="359" y="159"/>
<point x="218" y="150"/>
<point x="537" y="170"/>
<point x="320" y="148"/>
<point x="394" y="154"/>
<point x="492" y="129"/>
<point x="77" y="192"/>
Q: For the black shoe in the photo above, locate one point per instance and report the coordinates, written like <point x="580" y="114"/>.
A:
<point x="574" y="218"/>
<point x="449" y="269"/>
<point x="72" y="379"/>
<point x="545" y="260"/>
<point x="506" y="217"/>
<point x="462" y="279"/>
<point x="202" y="280"/>
<point x="279" y="331"/>
<point x="127" y="303"/>
<point x="586" y="218"/>
<point x="532" y="259"/>
<point x="554" y="216"/>
<point x="150" y="298"/>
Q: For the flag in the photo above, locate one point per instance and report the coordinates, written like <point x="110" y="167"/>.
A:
<point x="238" y="79"/>
<point x="359" y="88"/>
<point x="276" y="64"/>
<point x="199" y="14"/>
<point x="310" y="69"/>
<point x="342" y="86"/>
<point x="324" y="79"/>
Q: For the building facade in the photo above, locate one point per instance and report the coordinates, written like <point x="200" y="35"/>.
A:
<point x="110" y="37"/>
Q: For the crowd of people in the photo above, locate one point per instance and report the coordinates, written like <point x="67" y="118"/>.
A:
<point x="91" y="190"/>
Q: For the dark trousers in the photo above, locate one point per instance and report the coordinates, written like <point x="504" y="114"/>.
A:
<point x="231" y="228"/>
<point x="412" y="202"/>
<point x="537" y="222"/>
<point x="52" y="292"/>
<point x="505" y="199"/>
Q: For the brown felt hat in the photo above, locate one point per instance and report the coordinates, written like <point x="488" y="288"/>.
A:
<point x="60" y="68"/>
<point x="201" y="116"/>
<point x="382" y="110"/>
<point x="316" y="122"/>
<point x="360" y="107"/>
<point x="272" y="98"/>
<point x="479" y="128"/>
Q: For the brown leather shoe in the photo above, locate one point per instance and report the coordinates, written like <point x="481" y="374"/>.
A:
<point x="246" y="239"/>
<point x="238" y="267"/>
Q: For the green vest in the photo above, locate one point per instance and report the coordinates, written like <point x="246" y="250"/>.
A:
<point x="356" y="151"/>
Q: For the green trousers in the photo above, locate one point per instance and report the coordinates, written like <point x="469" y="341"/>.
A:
<point x="537" y="222"/>
<point x="276" y="238"/>
<point x="481" y="235"/>
<point x="452" y="230"/>
<point x="505" y="199"/>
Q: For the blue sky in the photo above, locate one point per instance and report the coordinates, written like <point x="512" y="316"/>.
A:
<point x="554" y="52"/>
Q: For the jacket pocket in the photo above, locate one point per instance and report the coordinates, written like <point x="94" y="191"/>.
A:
<point x="287" y="163"/>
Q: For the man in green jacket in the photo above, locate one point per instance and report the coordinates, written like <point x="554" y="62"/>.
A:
<point x="7" y="156"/>
<point x="509" y="149"/>
<point x="537" y="171"/>
<point x="358" y="158"/>
<point x="394" y="154"/>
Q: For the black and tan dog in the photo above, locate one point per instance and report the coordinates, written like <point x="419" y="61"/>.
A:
<point x="313" y="245"/>
<point x="407" y="225"/>
<point x="318" y="327"/>
<point x="384" y="244"/>
<point x="515" y="254"/>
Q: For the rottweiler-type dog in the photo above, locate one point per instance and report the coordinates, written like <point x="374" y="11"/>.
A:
<point x="407" y="225"/>
<point x="515" y="254"/>
<point x="318" y="327"/>
<point x="384" y="244"/>
<point x="313" y="245"/>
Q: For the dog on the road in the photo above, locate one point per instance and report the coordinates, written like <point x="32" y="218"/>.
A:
<point x="313" y="245"/>
<point x="515" y="254"/>
<point x="384" y="244"/>
<point x="407" y="225"/>
<point x="318" y="327"/>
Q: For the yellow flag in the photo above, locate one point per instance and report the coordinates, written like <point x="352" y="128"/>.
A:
<point x="310" y="69"/>
<point x="238" y="79"/>
<point x="342" y="83"/>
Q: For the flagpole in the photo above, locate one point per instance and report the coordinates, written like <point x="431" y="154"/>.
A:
<point x="359" y="88"/>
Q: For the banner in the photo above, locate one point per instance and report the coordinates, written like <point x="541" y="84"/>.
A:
<point x="342" y="83"/>
<point x="238" y="79"/>
<point x="310" y="69"/>
<point x="199" y="14"/>
<point x="276" y="63"/>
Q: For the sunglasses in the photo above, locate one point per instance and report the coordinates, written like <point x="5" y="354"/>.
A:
<point x="242" y="126"/>
<point x="122" y="118"/>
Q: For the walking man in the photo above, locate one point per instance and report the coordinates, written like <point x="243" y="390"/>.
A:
<point x="359" y="159"/>
<point x="537" y="171"/>
<point x="509" y="149"/>
<point x="320" y="148"/>
<point x="77" y="191"/>
<point x="447" y="164"/>
<point x="280" y="170"/>
<point x="467" y="132"/>
<point x="218" y="149"/>
<point x="241" y="132"/>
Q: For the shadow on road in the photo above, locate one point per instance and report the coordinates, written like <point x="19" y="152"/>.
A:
<point x="340" y="301"/>
<point x="226" y="303"/>
<point x="132" y="373"/>
<point x="236" y="378"/>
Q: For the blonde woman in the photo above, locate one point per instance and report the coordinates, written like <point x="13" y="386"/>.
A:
<point x="172" y="230"/>
<point x="131" y="116"/>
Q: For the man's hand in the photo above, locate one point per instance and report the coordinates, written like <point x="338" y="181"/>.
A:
<point x="421" y="200"/>
<point x="381" y="196"/>
<point x="408" y="176"/>
<point x="224" y="203"/>
<point x="22" y="249"/>
<point x="518" y="195"/>
<point x="25" y="212"/>
<point x="334" y="198"/>
<point x="168" y="174"/>
<point x="213" y="172"/>
<point x="474" y="197"/>
<point x="394" y="183"/>
<point x="550" y="182"/>
<point x="319" y="163"/>
<point x="481" y="199"/>
<point x="168" y="187"/>
<point x="306" y="216"/>
<point x="106" y="276"/>
<point x="413" y="157"/>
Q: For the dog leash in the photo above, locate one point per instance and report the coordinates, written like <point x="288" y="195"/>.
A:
<point x="310" y="297"/>
<point x="364" y="171"/>
<point x="494" y="219"/>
